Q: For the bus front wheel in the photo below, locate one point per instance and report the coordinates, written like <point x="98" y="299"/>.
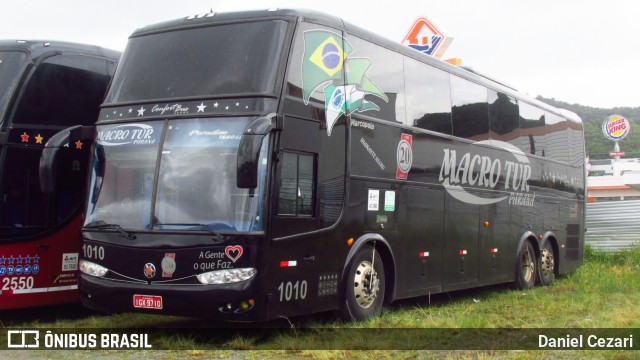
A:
<point x="365" y="285"/>
<point x="526" y="267"/>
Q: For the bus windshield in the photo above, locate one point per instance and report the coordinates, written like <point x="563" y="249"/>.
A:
<point x="193" y="188"/>
<point x="10" y="64"/>
<point x="207" y="61"/>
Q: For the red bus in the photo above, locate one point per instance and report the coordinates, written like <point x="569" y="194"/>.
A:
<point x="45" y="87"/>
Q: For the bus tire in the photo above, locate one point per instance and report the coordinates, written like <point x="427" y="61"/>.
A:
<point x="365" y="285"/>
<point x="546" y="266"/>
<point x="526" y="266"/>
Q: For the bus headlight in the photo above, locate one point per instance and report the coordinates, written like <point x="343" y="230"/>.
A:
<point x="93" y="269"/>
<point x="226" y="276"/>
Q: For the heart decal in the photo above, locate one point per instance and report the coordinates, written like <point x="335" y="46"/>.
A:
<point x="233" y="252"/>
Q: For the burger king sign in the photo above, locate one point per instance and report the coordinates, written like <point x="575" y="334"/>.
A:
<point x="616" y="127"/>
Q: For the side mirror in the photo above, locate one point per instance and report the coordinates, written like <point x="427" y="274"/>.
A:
<point x="50" y="152"/>
<point x="249" y="151"/>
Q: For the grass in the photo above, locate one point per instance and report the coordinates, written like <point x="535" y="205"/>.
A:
<point x="604" y="293"/>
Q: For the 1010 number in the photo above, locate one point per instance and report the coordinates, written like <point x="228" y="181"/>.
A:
<point x="293" y="290"/>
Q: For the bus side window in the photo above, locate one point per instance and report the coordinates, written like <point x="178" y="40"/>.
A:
<point x="503" y="117"/>
<point x="379" y="72"/>
<point x="428" y="97"/>
<point x="532" y="130"/>
<point x="469" y="109"/>
<point x="557" y="137"/>
<point x="297" y="185"/>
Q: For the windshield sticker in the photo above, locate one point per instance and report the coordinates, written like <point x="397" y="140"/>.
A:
<point x="483" y="171"/>
<point x="325" y="56"/>
<point x="129" y="134"/>
<point x="221" y="134"/>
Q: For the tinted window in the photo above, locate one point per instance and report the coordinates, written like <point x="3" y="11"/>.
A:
<point x="503" y="117"/>
<point x="10" y="69"/>
<point x="469" y="109"/>
<point x="23" y="208"/>
<point x="64" y="90"/>
<point x="557" y="137"/>
<point x="377" y="75"/>
<point x="428" y="97"/>
<point x="576" y="143"/>
<point x="216" y="60"/>
<point x="296" y="186"/>
<point x="532" y="130"/>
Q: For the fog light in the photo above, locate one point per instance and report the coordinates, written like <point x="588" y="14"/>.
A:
<point x="93" y="269"/>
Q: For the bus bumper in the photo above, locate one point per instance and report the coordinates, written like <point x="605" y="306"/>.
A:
<point x="229" y="302"/>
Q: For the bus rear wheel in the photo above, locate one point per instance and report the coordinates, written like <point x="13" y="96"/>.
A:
<point x="547" y="263"/>
<point x="365" y="285"/>
<point x="526" y="267"/>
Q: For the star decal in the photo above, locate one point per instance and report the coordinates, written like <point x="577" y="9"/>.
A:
<point x="36" y="259"/>
<point x="141" y="111"/>
<point x="78" y="144"/>
<point x="27" y="259"/>
<point x="11" y="258"/>
<point x="216" y="105"/>
<point x="19" y="259"/>
<point x="39" y="139"/>
<point x="201" y="107"/>
<point x="25" y="137"/>
<point x="2" y="260"/>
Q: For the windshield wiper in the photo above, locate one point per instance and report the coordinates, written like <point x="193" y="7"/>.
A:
<point x="216" y="237"/>
<point x="123" y="232"/>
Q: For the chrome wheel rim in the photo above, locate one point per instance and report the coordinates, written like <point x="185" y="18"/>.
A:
<point x="528" y="265"/>
<point x="365" y="285"/>
<point x="547" y="263"/>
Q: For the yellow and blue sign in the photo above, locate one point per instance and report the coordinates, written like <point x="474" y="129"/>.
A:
<point x="616" y="127"/>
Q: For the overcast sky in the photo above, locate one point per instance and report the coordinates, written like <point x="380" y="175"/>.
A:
<point x="578" y="51"/>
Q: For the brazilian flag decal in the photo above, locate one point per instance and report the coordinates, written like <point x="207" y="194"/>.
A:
<point x="326" y="55"/>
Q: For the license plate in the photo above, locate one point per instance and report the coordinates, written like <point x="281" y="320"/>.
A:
<point x="147" y="301"/>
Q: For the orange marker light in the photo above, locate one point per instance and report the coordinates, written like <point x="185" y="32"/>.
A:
<point x="350" y="242"/>
<point x="487" y="224"/>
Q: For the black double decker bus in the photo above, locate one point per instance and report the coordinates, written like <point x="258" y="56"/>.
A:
<point x="254" y="165"/>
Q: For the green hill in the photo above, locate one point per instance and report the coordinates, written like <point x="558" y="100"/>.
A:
<point x="598" y="147"/>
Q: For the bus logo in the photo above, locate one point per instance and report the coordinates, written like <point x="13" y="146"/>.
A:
<point x="149" y="270"/>
<point x="134" y="134"/>
<point x="484" y="172"/>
